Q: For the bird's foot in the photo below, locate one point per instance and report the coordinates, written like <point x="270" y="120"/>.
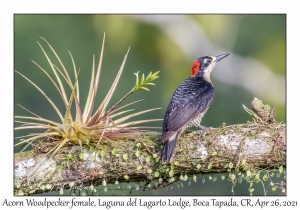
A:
<point x="205" y="129"/>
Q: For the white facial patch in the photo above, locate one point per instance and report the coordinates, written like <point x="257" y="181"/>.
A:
<point x="209" y="69"/>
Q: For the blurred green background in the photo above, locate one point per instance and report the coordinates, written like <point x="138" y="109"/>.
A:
<point x="256" y="66"/>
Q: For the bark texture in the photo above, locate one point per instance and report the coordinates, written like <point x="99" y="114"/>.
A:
<point x="260" y="144"/>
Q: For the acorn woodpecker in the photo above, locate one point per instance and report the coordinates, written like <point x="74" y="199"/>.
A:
<point x="189" y="103"/>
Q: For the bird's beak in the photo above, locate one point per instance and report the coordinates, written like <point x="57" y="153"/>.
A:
<point x="220" y="57"/>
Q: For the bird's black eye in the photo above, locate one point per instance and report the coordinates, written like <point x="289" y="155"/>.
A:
<point x="208" y="61"/>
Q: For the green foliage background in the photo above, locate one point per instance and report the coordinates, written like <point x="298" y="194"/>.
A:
<point x="260" y="37"/>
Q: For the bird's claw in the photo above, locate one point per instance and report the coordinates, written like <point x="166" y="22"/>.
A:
<point x="204" y="129"/>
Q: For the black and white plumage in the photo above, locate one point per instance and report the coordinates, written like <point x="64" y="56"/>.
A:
<point x="188" y="104"/>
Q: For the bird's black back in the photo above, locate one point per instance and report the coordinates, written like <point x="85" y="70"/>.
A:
<point x="190" y="99"/>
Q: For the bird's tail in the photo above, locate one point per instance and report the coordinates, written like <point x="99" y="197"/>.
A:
<point x="169" y="147"/>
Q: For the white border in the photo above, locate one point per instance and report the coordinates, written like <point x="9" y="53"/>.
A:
<point x="225" y="6"/>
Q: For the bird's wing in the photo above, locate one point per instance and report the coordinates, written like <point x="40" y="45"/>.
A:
<point x="182" y="111"/>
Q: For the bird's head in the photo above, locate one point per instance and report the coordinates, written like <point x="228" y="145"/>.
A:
<point x="204" y="65"/>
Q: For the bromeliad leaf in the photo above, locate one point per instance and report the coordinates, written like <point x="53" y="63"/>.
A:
<point x="86" y="128"/>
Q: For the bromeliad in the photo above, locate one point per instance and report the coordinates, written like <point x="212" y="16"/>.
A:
<point x="86" y="128"/>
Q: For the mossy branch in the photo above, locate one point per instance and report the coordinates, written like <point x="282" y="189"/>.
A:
<point x="245" y="148"/>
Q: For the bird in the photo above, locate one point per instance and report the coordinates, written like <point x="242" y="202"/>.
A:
<point x="189" y="103"/>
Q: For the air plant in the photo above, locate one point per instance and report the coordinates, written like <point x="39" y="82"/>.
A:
<point x="86" y="128"/>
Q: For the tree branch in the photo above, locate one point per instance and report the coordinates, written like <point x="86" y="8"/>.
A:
<point x="235" y="148"/>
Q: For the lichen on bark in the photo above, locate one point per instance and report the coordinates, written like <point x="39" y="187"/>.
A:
<point x="252" y="146"/>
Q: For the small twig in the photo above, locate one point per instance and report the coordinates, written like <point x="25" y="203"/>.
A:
<point x="112" y="190"/>
<point x="162" y="185"/>
<point x="102" y="133"/>
<point x="263" y="187"/>
<point x="240" y="150"/>
<point x="275" y="146"/>
<point x="120" y="101"/>
<point x="148" y="150"/>
<point x="272" y="115"/>
<point x="252" y="113"/>
<point x="182" y="166"/>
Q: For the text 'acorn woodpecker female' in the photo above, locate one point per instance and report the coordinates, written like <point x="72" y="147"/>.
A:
<point x="189" y="103"/>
